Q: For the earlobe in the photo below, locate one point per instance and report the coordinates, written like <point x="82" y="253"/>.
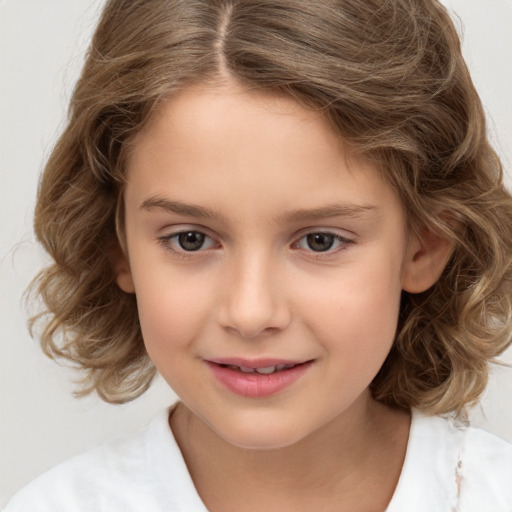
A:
<point x="425" y="259"/>
<point x="122" y="271"/>
<point x="125" y="282"/>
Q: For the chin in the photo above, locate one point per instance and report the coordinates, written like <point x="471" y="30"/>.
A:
<point x="259" y="436"/>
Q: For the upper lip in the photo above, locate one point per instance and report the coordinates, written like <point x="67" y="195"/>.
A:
<point x="255" y="363"/>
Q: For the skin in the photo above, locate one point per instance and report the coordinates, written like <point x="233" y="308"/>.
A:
<point x="264" y="173"/>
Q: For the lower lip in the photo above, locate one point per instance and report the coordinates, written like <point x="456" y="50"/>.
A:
<point x="257" y="385"/>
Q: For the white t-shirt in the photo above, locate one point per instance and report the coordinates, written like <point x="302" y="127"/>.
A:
<point x="448" y="468"/>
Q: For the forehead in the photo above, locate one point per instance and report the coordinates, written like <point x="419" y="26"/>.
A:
<point x="208" y="113"/>
<point x="226" y="144"/>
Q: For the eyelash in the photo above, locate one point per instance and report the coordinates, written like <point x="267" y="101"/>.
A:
<point x="171" y="242"/>
<point x="339" y="241"/>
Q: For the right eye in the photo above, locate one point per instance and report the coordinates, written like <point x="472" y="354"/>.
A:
<point x="323" y="242"/>
<point x="187" y="241"/>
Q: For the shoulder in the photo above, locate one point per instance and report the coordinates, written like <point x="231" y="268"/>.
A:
<point x="144" y="471"/>
<point x="452" y="466"/>
<point x="485" y="472"/>
<point x="482" y="459"/>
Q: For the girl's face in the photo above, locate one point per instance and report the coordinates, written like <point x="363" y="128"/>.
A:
<point x="267" y="263"/>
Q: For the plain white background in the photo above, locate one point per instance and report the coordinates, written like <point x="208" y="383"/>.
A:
<point x="41" y="51"/>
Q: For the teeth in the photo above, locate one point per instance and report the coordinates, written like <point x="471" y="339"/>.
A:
<point x="264" y="371"/>
<point x="267" y="370"/>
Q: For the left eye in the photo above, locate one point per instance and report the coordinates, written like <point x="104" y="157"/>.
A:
<point x="188" y="241"/>
<point x="322" y="242"/>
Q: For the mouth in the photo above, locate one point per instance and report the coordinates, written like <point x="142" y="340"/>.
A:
<point x="258" y="379"/>
<point x="264" y="370"/>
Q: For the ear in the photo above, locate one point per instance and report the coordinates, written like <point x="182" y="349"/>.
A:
<point x="122" y="270"/>
<point x="426" y="257"/>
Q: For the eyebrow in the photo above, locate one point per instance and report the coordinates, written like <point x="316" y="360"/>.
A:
<point x="328" y="211"/>
<point x="180" y="208"/>
<point x="301" y="215"/>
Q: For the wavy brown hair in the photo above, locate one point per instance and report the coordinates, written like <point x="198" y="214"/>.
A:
<point x="388" y="75"/>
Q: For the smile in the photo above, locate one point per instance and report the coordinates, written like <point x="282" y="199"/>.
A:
<point x="258" y="379"/>
<point x="263" y="371"/>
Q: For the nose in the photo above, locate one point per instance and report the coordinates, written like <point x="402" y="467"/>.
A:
<point x="254" y="300"/>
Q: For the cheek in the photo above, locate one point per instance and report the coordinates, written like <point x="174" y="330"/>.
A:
<point x="356" y="310"/>
<point x="171" y="312"/>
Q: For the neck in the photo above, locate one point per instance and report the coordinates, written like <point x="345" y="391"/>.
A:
<point x="344" y="457"/>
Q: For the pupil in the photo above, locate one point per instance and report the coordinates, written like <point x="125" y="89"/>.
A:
<point x="191" y="241"/>
<point x="320" y="242"/>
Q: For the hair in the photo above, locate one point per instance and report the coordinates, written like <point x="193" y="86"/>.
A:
<point x="390" y="78"/>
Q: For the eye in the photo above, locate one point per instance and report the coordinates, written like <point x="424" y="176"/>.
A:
<point x="322" y="242"/>
<point x="187" y="241"/>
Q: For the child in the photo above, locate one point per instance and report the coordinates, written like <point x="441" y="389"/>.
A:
<point x="290" y="210"/>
